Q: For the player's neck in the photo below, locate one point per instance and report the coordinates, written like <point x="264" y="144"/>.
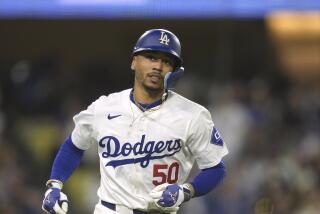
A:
<point x="146" y="97"/>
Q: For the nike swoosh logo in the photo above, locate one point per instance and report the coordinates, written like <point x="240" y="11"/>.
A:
<point x="110" y="117"/>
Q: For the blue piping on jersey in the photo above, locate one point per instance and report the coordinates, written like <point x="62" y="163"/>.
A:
<point x="147" y="106"/>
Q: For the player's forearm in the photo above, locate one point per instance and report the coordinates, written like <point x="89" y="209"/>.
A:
<point x="66" y="161"/>
<point x="208" y="179"/>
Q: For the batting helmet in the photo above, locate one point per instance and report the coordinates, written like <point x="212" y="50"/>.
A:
<point x="160" y="40"/>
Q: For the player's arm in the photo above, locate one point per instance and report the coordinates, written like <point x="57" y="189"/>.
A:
<point x="208" y="179"/>
<point x="209" y="149"/>
<point x="66" y="161"/>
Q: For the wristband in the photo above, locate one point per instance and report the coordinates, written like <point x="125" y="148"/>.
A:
<point x="54" y="183"/>
<point x="188" y="191"/>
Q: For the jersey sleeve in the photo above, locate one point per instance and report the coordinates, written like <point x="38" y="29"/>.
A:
<point x="205" y="142"/>
<point x="83" y="133"/>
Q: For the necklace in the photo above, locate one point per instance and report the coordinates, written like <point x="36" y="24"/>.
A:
<point x="146" y="108"/>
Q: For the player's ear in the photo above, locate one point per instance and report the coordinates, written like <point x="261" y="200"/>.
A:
<point x="133" y="63"/>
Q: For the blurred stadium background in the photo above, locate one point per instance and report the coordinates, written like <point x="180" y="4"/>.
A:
<point x="254" y="64"/>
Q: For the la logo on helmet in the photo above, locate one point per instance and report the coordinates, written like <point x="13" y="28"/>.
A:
<point x="164" y="38"/>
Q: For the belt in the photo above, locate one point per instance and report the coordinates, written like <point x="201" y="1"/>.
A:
<point x="112" y="206"/>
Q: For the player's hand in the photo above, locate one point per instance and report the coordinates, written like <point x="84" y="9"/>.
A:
<point x="55" y="201"/>
<point x="169" y="197"/>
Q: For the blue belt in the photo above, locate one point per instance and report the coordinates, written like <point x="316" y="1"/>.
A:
<point x="112" y="206"/>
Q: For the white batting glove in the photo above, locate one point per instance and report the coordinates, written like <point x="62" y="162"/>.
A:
<point x="55" y="201"/>
<point x="168" y="197"/>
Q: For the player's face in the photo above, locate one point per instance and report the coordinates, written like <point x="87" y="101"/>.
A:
<point x="150" y="69"/>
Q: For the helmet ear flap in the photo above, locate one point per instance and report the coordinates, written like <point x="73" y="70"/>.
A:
<point x="171" y="78"/>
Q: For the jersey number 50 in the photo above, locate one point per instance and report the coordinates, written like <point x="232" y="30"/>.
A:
<point x="165" y="173"/>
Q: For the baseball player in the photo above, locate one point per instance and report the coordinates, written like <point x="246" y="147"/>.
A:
<point x="148" y="139"/>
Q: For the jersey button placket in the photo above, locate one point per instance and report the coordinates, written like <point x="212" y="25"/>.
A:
<point x="142" y="124"/>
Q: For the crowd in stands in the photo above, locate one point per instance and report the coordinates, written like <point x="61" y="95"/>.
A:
<point x="272" y="132"/>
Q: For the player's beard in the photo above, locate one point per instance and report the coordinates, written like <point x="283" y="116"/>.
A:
<point x="151" y="87"/>
<point x="149" y="83"/>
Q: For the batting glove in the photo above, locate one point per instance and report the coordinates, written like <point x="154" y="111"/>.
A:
<point x="55" y="201"/>
<point x="169" y="197"/>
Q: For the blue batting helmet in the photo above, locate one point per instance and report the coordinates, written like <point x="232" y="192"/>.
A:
<point x="160" y="40"/>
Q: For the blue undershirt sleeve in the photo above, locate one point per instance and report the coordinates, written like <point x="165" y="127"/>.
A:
<point x="66" y="161"/>
<point x="208" y="179"/>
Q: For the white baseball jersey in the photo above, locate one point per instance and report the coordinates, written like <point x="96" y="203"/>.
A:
<point x="140" y="150"/>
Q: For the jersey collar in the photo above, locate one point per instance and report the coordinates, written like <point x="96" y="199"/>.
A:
<point x="144" y="107"/>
